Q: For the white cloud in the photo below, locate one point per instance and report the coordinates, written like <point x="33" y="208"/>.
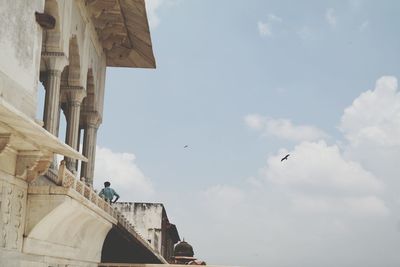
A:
<point x="123" y="173"/>
<point x="318" y="166"/>
<point x="364" y="206"/>
<point x="222" y="201"/>
<point x="254" y="121"/>
<point x="371" y="126"/>
<point x="152" y="8"/>
<point x="225" y="195"/>
<point x="264" y="28"/>
<point x="374" y="117"/>
<point x="331" y="17"/>
<point x="323" y="200"/>
<point x="284" y="128"/>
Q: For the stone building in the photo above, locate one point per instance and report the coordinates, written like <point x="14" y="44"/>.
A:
<point x="151" y="221"/>
<point x="48" y="217"/>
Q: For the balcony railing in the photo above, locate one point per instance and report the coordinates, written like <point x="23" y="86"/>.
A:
<point x="67" y="179"/>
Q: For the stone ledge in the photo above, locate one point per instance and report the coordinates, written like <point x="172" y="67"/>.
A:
<point x="27" y="135"/>
<point x="59" y="190"/>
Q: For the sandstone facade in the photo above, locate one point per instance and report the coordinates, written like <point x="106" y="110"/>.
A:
<point x="49" y="217"/>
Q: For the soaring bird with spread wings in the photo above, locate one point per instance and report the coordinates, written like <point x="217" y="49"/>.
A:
<point x="285" y="157"/>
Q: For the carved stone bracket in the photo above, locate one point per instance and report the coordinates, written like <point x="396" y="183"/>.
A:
<point x="31" y="164"/>
<point x="4" y="141"/>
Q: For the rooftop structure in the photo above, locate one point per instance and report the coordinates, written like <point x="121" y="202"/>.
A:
<point x="49" y="213"/>
<point x="151" y="221"/>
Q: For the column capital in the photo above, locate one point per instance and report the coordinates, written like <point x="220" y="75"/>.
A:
<point x="74" y="95"/>
<point x="55" y="61"/>
<point x="91" y="119"/>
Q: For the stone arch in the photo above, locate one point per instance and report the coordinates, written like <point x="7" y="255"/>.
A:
<point x="52" y="38"/>
<point x="65" y="227"/>
<point x="120" y="247"/>
<point x="74" y="68"/>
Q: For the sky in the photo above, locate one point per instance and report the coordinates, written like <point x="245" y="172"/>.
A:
<point x="243" y="83"/>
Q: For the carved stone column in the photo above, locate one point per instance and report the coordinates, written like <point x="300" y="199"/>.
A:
<point x="74" y="96"/>
<point x="91" y="123"/>
<point x="55" y="63"/>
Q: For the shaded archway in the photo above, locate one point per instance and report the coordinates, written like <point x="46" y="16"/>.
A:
<point x="121" y="247"/>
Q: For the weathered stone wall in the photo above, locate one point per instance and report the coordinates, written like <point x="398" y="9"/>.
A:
<point x="147" y="219"/>
<point x="20" y="45"/>
<point x="12" y="211"/>
<point x="43" y="225"/>
<point x="70" y="234"/>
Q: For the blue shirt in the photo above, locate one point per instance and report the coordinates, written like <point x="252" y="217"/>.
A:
<point x="108" y="193"/>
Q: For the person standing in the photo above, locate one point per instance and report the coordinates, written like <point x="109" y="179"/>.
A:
<point x="108" y="193"/>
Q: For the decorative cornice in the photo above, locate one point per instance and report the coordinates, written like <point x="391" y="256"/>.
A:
<point x="54" y="60"/>
<point x="72" y="88"/>
<point x="53" y="54"/>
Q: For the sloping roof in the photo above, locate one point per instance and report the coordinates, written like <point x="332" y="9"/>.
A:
<point x="123" y="31"/>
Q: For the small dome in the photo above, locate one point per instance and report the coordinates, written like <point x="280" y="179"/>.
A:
<point x="183" y="249"/>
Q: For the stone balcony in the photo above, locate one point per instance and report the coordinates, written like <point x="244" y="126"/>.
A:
<point x="69" y="220"/>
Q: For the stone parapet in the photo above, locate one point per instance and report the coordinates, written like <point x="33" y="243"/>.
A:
<point x="69" y="188"/>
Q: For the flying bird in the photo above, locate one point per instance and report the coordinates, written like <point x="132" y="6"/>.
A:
<point x="285" y="157"/>
<point x="186" y="146"/>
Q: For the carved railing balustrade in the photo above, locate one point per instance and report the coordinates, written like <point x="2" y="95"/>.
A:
<point x="67" y="179"/>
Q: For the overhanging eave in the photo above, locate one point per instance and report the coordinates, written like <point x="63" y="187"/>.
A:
<point x="123" y="31"/>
